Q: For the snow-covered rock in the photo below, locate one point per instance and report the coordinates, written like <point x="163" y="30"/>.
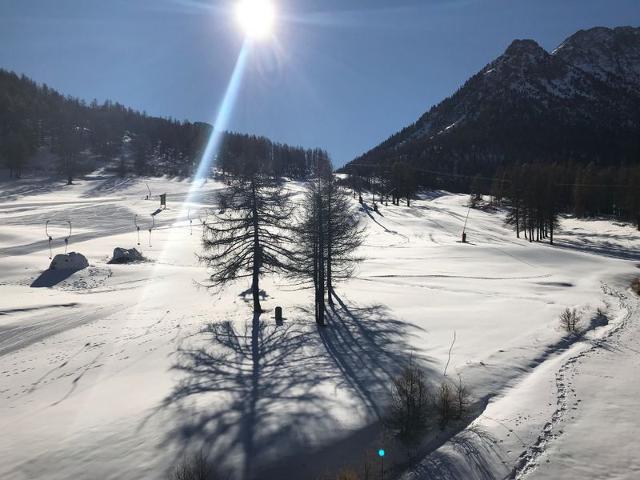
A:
<point x="69" y="261"/>
<point x="126" y="255"/>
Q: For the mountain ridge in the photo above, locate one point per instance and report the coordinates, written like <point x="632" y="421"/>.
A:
<point x="578" y="103"/>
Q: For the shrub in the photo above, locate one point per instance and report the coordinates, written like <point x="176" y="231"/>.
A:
<point x="570" y="320"/>
<point x="409" y="408"/>
<point x="445" y="402"/>
<point x="194" y="467"/>
<point x="462" y="398"/>
<point x="635" y="285"/>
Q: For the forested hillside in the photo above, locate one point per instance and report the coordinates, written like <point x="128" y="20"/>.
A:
<point x="35" y="119"/>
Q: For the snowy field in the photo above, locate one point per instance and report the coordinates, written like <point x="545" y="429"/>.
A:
<point x="116" y="371"/>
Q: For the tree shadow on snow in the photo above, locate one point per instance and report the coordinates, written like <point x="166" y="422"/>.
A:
<point x="259" y="396"/>
<point x="237" y="389"/>
<point x="603" y="244"/>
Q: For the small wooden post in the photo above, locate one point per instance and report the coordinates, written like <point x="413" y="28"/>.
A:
<point x="279" y="316"/>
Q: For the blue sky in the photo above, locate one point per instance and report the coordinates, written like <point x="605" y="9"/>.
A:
<point x="342" y="75"/>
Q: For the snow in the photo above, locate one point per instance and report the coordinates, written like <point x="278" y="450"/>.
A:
<point x="116" y="371"/>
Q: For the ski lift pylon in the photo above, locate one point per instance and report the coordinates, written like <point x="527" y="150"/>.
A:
<point x="46" y="231"/>
<point x="135" y="222"/>
<point x="66" y="240"/>
<point x="153" y="225"/>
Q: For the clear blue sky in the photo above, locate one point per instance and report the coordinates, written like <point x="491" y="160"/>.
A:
<point x="342" y="74"/>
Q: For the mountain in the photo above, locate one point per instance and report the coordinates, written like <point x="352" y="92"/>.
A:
<point x="579" y="103"/>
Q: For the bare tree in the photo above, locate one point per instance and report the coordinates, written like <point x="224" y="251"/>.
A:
<point x="328" y="235"/>
<point x="344" y="235"/>
<point x="410" y="405"/>
<point x="569" y="319"/>
<point x="308" y="265"/>
<point x="249" y="236"/>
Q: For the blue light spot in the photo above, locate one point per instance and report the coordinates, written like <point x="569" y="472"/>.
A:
<point x="381" y="453"/>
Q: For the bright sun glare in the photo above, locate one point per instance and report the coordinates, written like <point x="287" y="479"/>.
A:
<point x="256" y="17"/>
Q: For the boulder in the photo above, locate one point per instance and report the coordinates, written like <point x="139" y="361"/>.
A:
<point x="69" y="261"/>
<point x="126" y="255"/>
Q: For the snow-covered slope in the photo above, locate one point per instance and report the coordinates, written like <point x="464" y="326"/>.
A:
<point x="115" y="371"/>
<point x="611" y="55"/>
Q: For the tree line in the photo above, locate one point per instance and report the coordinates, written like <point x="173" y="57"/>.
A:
<point x="36" y="117"/>
<point x="534" y="193"/>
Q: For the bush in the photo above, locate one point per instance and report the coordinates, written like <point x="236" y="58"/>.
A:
<point x="445" y="401"/>
<point x="570" y="320"/>
<point x="462" y="398"/>
<point x="635" y="285"/>
<point x="194" y="467"/>
<point x="409" y="410"/>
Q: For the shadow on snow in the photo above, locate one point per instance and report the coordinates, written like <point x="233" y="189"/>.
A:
<point x="261" y="398"/>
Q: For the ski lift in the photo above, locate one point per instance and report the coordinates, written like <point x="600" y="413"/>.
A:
<point x="46" y="231"/>
<point x="66" y="240"/>
<point x="464" y="228"/>
<point x="203" y="220"/>
<point x="149" y="195"/>
<point x="135" y="222"/>
<point x="153" y="225"/>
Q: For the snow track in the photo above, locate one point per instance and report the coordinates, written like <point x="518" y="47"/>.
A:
<point x="565" y="391"/>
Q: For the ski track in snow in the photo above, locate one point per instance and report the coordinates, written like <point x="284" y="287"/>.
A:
<point x="565" y="393"/>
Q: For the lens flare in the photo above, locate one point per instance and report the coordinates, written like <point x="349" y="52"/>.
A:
<point x="256" y="17"/>
<point x="223" y="116"/>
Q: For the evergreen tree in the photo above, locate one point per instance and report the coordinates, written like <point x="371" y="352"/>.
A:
<point x="248" y="237"/>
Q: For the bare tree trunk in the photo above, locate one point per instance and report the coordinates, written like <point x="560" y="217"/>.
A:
<point x="320" y="301"/>
<point x="257" y="255"/>
<point x="329" y="242"/>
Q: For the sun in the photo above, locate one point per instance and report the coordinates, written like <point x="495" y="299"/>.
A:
<point x="256" y="17"/>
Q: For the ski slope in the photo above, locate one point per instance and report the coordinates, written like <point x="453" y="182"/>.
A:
<point x="117" y="371"/>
